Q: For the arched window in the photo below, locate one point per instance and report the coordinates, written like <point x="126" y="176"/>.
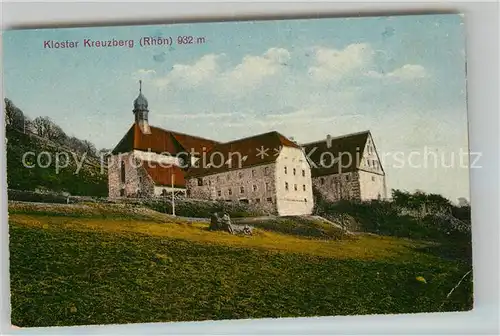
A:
<point x="122" y="172"/>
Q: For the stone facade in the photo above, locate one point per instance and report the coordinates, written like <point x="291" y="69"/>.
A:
<point x="253" y="185"/>
<point x="337" y="187"/>
<point x="127" y="177"/>
<point x="167" y="191"/>
<point x="364" y="180"/>
<point x="283" y="187"/>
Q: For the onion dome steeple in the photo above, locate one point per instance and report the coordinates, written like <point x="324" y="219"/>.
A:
<point x="141" y="111"/>
<point x="140" y="103"/>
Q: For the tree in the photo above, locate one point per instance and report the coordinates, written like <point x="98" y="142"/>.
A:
<point x="47" y="129"/>
<point x="14" y="117"/>
<point x="89" y="148"/>
<point x="76" y="145"/>
<point x="401" y="198"/>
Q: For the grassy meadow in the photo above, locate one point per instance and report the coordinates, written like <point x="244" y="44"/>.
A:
<point x="103" y="264"/>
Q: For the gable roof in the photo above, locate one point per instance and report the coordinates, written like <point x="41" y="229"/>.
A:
<point x="242" y="153"/>
<point x="162" y="176"/>
<point x="347" y="153"/>
<point x="161" y="141"/>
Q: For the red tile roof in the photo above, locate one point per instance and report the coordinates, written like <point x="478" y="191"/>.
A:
<point x="161" y="141"/>
<point x="162" y="176"/>
<point x="347" y="147"/>
<point x="243" y="153"/>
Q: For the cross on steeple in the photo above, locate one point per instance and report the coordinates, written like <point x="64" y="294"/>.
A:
<point x="140" y="86"/>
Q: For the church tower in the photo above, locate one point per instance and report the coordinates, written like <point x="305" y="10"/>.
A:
<point x="141" y="111"/>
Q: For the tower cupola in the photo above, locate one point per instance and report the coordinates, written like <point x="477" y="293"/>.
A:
<point x="141" y="111"/>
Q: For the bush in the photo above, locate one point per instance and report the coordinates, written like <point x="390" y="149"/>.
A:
<point x="386" y="218"/>
<point x="31" y="196"/>
<point x="203" y="209"/>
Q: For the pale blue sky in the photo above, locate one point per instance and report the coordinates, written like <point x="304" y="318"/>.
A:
<point x="403" y="78"/>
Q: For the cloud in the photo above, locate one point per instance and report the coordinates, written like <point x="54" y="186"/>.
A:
<point x="333" y="64"/>
<point x="191" y="75"/>
<point x="197" y="116"/>
<point x="248" y="74"/>
<point x="406" y="72"/>
<point x="143" y="74"/>
<point x="254" y="69"/>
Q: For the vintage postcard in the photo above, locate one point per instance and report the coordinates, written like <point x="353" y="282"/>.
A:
<point x="238" y="170"/>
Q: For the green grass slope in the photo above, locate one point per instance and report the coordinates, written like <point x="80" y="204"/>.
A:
<point x="88" y="269"/>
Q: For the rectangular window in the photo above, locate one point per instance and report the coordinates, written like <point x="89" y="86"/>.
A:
<point x="303" y="172"/>
<point x="122" y="192"/>
<point x="200" y="182"/>
<point x="240" y="175"/>
<point x="254" y="187"/>
<point x="266" y="170"/>
<point x="270" y="199"/>
<point x="322" y="180"/>
<point x="267" y="186"/>
<point x="295" y="187"/>
<point x="347" y="177"/>
<point x="219" y="193"/>
<point x="257" y="200"/>
<point x="286" y="185"/>
<point x="304" y="187"/>
<point x="253" y="173"/>
<point x="242" y="190"/>
<point x="230" y="191"/>
<point x="294" y="171"/>
<point x="285" y="170"/>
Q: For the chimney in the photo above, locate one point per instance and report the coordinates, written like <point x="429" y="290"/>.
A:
<point x="328" y="141"/>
